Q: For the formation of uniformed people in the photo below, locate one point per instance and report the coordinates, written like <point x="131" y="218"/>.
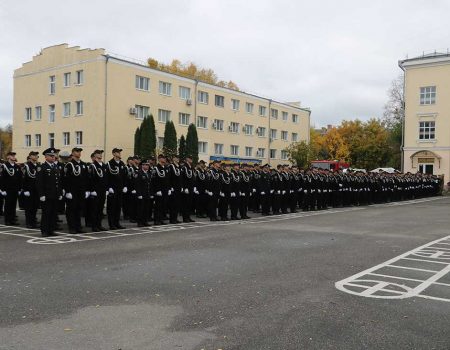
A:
<point x="164" y="190"/>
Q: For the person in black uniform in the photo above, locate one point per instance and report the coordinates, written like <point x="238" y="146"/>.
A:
<point x="144" y="192"/>
<point x="116" y="174"/>
<point x="188" y="189"/>
<point x="225" y="192"/>
<point x="264" y="188"/>
<point x="49" y="191"/>
<point x="245" y="191"/>
<point x="98" y="188"/>
<point x="213" y="187"/>
<point x="175" y="186"/>
<point x="201" y="196"/>
<point x="31" y="198"/>
<point x="11" y="183"/>
<point x="235" y="190"/>
<point x="161" y="186"/>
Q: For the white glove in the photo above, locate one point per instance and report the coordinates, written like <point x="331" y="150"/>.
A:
<point x="63" y="192"/>
<point x="111" y="191"/>
<point x="26" y="194"/>
<point x="210" y="194"/>
<point x="271" y="191"/>
<point x="278" y="192"/>
<point x="69" y="195"/>
<point x="305" y="191"/>
<point x="4" y="193"/>
<point x="243" y="194"/>
<point x="151" y="197"/>
<point x="169" y="192"/>
<point x="93" y="194"/>
<point x="283" y="192"/>
<point x="319" y="191"/>
<point x="139" y="197"/>
<point x="159" y="194"/>
<point x="59" y="198"/>
<point x="172" y="190"/>
<point x="186" y="191"/>
<point x="222" y="194"/>
<point x="107" y="192"/>
<point x="19" y="192"/>
<point x="133" y="192"/>
<point x="207" y="192"/>
<point x="195" y="189"/>
<point x="254" y="190"/>
<point x="263" y="193"/>
<point x="42" y="199"/>
<point x="340" y="185"/>
<point x="232" y="194"/>
<point x="125" y="190"/>
<point x="87" y="194"/>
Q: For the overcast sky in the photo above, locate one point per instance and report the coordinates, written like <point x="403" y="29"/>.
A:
<point x="336" y="57"/>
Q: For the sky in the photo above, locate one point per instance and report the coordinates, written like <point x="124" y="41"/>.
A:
<point x="336" y="57"/>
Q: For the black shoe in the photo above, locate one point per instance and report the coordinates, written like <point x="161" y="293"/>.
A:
<point x="54" y="234"/>
<point x="57" y="227"/>
<point x="45" y="234"/>
<point x="81" y="231"/>
<point x="246" y="217"/>
<point x="212" y="219"/>
<point x="59" y="220"/>
<point x="120" y="227"/>
<point x="190" y="220"/>
<point x="224" y="219"/>
<point x="112" y="228"/>
<point x="234" y="218"/>
<point x="133" y="221"/>
<point x="140" y="225"/>
<point x="101" y="228"/>
<point x="72" y="232"/>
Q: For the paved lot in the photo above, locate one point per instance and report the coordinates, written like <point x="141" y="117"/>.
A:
<point x="352" y="278"/>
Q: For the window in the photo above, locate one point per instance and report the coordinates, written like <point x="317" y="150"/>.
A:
<point x="142" y="111"/>
<point x="219" y="101"/>
<point x="234" y="150"/>
<point x="142" y="83"/>
<point x="249" y="107"/>
<point x="234" y="127"/>
<point x="163" y="115"/>
<point x="248" y="129"/>
<point x="165" y="88"/>
<point x="51" y="140"/>
<point x="51" y="114"/>
<point x="261" y="152"/>
<point x="203" y="97"/>
<point x="218" y="148"/>
<point x="184" y="92"/>
<point x="79" y="77"/>
<point x="202" y="122"/>
<point x="183" y="118"/>
<point x="426" y="130"/>
<point x="66" y="109"/>
<point x="262" y="111"/>
<point x="218" y="124"/>
<point x="284" y="135"/>
<point x="295" y="118"/>
<point x="28" y="115"/>
<point x="37" y="140"/>
<point x="80" y="107"/>
<point x="160" y="142"/>
<point x="52" y="85"/>
<point x="273" y="134"/>
<point x="79" y="137"/>
<point x="284" y="155"/>
<point x="202" y="147"/>
<point x="428" y="95"/>
<point x="294" y="137"/>
<point x="66" y="79"/>
<point x="261" y="131"/>
<point x="284" y="116"/>
<point x="66" y="138"/>
<point x="274" y="113"/>
<point x="27" y="140"/>
<point x="249" y="151"/>
<point x="273" y="153"/>
<point x="235" y="104"/>
<point x="38" y="112"/>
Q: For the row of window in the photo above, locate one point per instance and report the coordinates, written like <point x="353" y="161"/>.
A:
<point x="66" y="111"/>
<point x="67" y="80"/>
<point x="235" y="151"/>
<point x="427" y="130"/>
<point x="428" y="95"/>
<point x="51" y="139"/>
<point x="165" y="88"/>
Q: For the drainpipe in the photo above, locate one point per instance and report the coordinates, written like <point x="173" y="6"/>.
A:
<point x="402" y="156"/>
<point x="270" y="117"/>
<point x="106" y="102"/>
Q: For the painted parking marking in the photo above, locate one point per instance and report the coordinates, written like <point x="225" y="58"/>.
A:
<point x="33" y="235"/>
<point x="426" y="282"/>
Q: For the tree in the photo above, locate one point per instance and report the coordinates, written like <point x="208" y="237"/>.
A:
<point x="152" y="135"/>
<point x="170" y="140"/>
<point x="192" y="143"/>
<point x="299" y="153"/>
<point x="5" y="140"/>
<point x="182" y="147"/>
<point x="334" y="145"/>
<point x="137" y="141"/>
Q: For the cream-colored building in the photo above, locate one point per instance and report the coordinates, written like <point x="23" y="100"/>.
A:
<point x="427" y="109"/>
<point x="67" y="96"/>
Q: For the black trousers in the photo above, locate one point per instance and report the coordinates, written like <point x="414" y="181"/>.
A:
<point x="143" y="210"/>
<point x="213" y="204"/>
<point x="96" y="205"/>
<point x="113" y="207"/>
<point x="276" y="202"/>
<point x="10" y="206"/>
<point x="31" y="204"/>
<point x="265" y="202"/>
<point x="243" y="204"/>
<point x="74" y="208"/>
<point x="186" y="208"/>
<point x="234" y="205"/>
<point x="49" y="215"/>
<point x="160" y="208"/>
<point x="174" y="205"/>
<point x="223" y="207"/>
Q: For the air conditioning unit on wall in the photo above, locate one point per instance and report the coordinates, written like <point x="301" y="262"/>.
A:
<point x="188" y="101"/>
<point x="133" y="110"/>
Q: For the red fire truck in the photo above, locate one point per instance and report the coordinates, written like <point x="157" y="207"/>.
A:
<point x="333" y="165"/>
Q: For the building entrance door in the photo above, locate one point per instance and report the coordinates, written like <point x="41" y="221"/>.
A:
<point x="426" y="168"/>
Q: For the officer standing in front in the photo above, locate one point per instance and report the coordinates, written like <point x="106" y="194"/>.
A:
<point x="98" y="187"/>
<point x="116" y="173"/>
<point x="31" y="199"/>
<point x="49" y="191"/>
<point x="11" y="184"/>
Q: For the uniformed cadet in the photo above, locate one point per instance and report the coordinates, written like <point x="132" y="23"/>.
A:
<point x="61" y="159"/>
<point x="235" y="191"/>
<point x="213" y="187"/>
<point x="225" y="191"/>
<point x="129" y="198"/>
<point x="264" y="188"/>
<point x="116" y="174"/>
<point x="161" y="187"/>
<point x="188" y="189"/>
<point x="98" y="188"/>
<point x="49" y="191"/>
<point x="11" y="183"/>
<point x="29" y="190"/>
<point x="245" y="191"/>
<point x="201" y="198"/>
<point x="175" y="184"/>
<point x="144" y="192"/>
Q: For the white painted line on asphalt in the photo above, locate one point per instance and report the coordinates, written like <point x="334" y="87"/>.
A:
<point x="380" y="281"/>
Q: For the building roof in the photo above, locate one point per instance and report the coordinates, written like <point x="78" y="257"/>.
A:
<point x="434" y="57"/>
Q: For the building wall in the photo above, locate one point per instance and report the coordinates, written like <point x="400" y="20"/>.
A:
<point x="110" y="125"/>
<point x="422" y="73"/>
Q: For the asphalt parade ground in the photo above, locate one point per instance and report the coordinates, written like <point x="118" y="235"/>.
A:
<point x="374" y="277"/>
